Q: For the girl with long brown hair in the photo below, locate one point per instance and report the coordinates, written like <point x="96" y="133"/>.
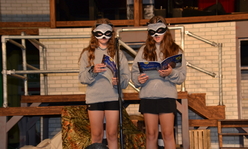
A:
<point x="158" y="95"/>
<point x="101" y="92"/>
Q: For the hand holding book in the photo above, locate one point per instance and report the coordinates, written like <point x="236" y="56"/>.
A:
<point x="98" y="68"/>
<point x="165" y="72"/>
<point x="111" y="66"/>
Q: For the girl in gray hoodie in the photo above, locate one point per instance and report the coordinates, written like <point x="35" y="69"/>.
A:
<point x="158" y="94"/>
<point x="100" y="77"/>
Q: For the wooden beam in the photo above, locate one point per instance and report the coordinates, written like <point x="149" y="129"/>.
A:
<point x="24" y="111"/>
<point x="19" y="31"/>
<point x="136" y="13"/>
<point x="52" y="98"/>
<point x="79" y="98"/>
<point x="24" y="24"/>
<point x="141" y="14"/>
<point x="67" y="98"/>
<point x="54" y="110"/>
<point x="138" y="21"/>
<point x="202" y="123"/>
<point x="234" y="122"/>
<point x="3" y="132"/>
<point x="52" y="14"/>
<point x="201" y="19"/>
<point x="90" y="23"/>
<point x="76" y="23"/>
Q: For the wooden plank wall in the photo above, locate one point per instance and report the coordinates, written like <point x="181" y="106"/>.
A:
<point x="31" y="28"/>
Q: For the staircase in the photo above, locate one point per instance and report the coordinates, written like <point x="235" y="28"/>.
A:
<point x="197" y="103"/>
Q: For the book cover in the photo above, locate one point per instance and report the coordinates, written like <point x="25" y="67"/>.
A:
<point x="151" y="68"/>
<point x="110" y="64"/>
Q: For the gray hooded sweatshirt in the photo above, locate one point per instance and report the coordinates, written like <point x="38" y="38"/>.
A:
<point x="161" y="87"/>
<point x="99" y="88"/>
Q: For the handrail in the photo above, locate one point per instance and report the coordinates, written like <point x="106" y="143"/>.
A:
<point x="212" y="74"/>
<point x="6" y="72"/>
<point x="219" y="46"/>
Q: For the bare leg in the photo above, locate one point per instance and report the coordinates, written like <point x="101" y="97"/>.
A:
<point x="112" y="120"/>
<point x="96" y="125"/>
<point x="151" y="122"/>
<point x="167" y="125"/>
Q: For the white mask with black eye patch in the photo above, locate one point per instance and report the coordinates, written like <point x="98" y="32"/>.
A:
<point x="103" y="31"/>
<point x="157" y="29"/>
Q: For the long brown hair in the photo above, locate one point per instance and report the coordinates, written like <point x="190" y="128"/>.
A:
<point x="93" y="44"/>
<point x="167" y="46"/>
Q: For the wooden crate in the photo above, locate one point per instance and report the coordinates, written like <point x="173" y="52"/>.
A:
<point x="200" y="139"/>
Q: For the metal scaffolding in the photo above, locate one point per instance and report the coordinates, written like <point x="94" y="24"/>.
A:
<point x="24" y="72"/>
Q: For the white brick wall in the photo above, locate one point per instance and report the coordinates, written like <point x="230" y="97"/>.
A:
<point x="63" y="54"/>
<point x="205" y="56"/>
<point x="24" y="10"/>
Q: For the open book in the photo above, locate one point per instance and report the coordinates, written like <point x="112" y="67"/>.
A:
<point x="151" y="68"/>
<point x="111" y="67"/>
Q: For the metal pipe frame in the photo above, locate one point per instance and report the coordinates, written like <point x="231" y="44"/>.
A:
<point x="220" y="74"/>
<point x="43" y="53"/>
<point x="11" y="72"/>
<point x="201" y="70"/>
<point x="24" y="64"/>
<point x="4" y="72"/>
<point x="33" y="38"/>
<point x="202" y="39"/>
<point x="219" y="46"/>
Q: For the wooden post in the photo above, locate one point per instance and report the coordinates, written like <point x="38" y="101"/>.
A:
<point x="219" y="131"/>
<point x="92" y="11"/>
<point x="136" y="14"/>
<point x="185" y="124"/>
<point x="52" y="14"/>
<point x="183" y="109"/>
<point x="3" y="132"/>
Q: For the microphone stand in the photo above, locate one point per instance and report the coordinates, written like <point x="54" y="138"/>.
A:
<point x="119" y="91"/>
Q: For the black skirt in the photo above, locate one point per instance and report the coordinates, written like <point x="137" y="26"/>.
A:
<point x="157" y="106"/>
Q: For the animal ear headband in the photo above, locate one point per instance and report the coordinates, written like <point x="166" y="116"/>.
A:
<point x="157" y="29"/>
<point x="103" y="31"/>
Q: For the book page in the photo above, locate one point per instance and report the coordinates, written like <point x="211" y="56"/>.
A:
<point x="153" y="74"/>
<point x="174" y="61"/>
<point x="147" y="66"/>
<point x="151" y="68"/>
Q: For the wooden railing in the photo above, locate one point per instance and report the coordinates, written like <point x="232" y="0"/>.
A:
<point x="56" y="110"/>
